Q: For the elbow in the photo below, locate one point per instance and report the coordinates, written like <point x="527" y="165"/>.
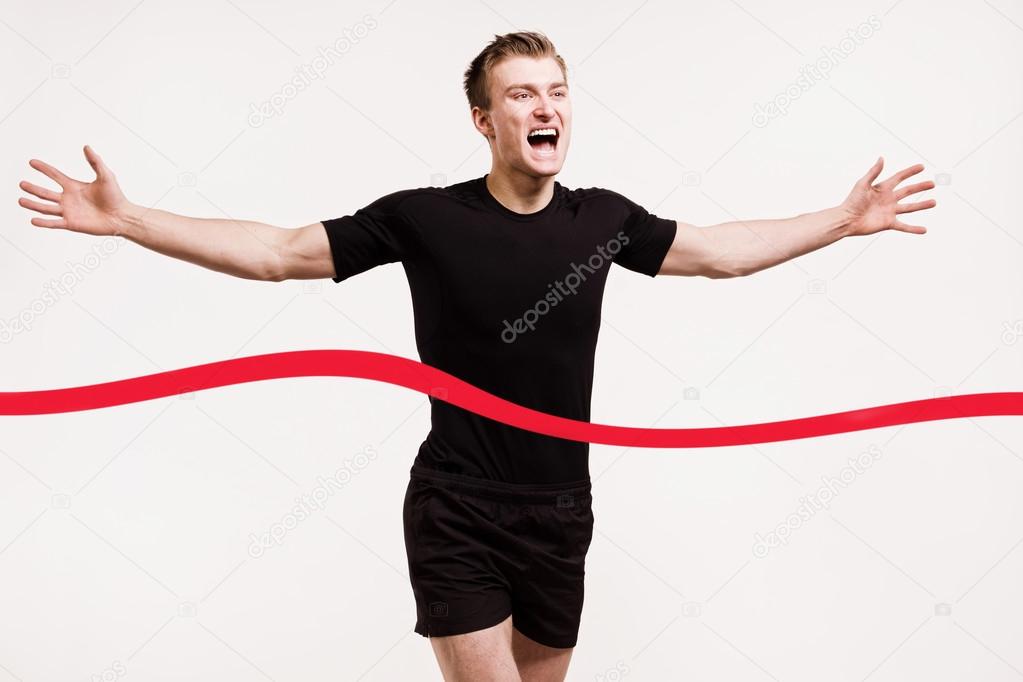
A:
<point x="717" y="263"/>
<point x="725" y="270"/>
<point x="718" y="273"/>
<point x="730" y="268"/>
<point x="279" y="263"/>
<point x="274" y="271"/>
<point x="276" y="277"/>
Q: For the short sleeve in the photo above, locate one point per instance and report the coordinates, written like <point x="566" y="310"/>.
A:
<point x="374" y="235"/>
<point x="646" y="238"/>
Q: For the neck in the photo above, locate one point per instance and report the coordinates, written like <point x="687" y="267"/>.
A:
<point x="519" y="192"/>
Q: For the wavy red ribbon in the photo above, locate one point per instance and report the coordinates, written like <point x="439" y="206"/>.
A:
<point x="411" y="374"/>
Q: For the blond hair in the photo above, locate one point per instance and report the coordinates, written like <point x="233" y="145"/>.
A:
<point x="524" y="43"/>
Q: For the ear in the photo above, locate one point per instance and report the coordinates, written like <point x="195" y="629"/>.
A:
<point x="481" y="120"/>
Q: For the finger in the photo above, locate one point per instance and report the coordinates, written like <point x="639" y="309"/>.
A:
<point x="96" y="162"/>
<point x="904" y="227"/>
<point x="913" y="189"/>
<point x="40" y="192"/>
<point x="916" y="206"/>
<point x="51" y="172"/>
<point x="48" y="209"/>
<point x="874" y="171"/>
<point x="902" y="175"/>
<point x="43" y="222"/>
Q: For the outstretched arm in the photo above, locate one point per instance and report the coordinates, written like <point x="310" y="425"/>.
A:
<point x="241" y="248"/>
<point x="740" y="248"/>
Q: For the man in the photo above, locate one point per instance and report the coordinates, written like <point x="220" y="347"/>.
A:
<point x="507" y="273"/>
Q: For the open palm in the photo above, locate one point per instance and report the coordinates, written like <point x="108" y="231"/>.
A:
<point x="872" y="208"/>
<point x="87" y="207"/>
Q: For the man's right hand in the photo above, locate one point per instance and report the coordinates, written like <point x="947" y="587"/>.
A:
<point x="89" y="207"/>
<point x="242" y="248"/>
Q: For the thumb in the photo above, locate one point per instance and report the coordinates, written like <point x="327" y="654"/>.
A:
<point x="97" y="163"/>
<point x="905" y="227"/>
<point x="874" y="171"/>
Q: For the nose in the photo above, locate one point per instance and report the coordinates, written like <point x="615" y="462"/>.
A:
<point x="544" y="106"/>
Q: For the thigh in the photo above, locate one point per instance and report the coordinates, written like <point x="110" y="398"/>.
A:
<point x="481" y="655"/>
<point x="548" y="596"/>
<point x="537" y="662"/>
<point x="454" y="564"/>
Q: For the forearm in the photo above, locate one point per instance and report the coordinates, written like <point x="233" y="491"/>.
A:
<point x="241" y="248"/>
<point x="748" y="246"/>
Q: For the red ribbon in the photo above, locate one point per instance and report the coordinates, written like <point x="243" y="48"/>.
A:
<point x="415" y="375"/>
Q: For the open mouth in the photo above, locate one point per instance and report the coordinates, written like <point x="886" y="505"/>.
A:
<point x="543" y="140"/>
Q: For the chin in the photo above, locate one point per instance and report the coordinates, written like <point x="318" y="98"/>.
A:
<point x="542" y="168"/>
<point x="545" y="172"/>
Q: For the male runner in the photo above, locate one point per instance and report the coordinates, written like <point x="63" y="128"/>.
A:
<point x="506" y="273"/>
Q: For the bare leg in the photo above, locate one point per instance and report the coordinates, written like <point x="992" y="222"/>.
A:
<point x="539" y="663"/>
<point x="480" y="656"/>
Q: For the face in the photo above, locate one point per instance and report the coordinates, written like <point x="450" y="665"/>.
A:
<point x="527" y="94"/>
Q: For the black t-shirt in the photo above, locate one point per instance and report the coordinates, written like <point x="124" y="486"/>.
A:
<point x="508" y="302"/>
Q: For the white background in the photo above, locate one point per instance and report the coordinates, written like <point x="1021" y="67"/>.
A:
<point x="124" y="532"/>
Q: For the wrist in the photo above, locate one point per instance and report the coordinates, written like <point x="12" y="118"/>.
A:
<point x="127" y="221"/>
<point x="842" y="221"/>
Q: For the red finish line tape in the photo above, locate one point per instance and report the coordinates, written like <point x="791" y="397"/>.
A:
<point x="431" y="381"/>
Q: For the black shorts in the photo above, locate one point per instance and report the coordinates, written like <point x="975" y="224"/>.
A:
<point x="481" y="550"/>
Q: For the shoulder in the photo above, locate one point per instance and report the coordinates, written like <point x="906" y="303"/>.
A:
<point x="394" y="201"/>
<point x="601" y="196"/>
<point x="413" y="199"/>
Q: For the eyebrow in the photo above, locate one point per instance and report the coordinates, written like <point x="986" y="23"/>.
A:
<point x="529" y="86"/>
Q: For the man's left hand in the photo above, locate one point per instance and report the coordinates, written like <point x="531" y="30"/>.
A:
<point x="872" y="208"/>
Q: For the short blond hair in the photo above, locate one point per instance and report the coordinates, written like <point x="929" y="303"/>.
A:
<point x="523" y="43"/>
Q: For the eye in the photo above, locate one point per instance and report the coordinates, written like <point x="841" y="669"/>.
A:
<point x="522" y="94"/>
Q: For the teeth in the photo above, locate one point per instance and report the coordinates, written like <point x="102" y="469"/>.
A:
<point x="543" y="131"/>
